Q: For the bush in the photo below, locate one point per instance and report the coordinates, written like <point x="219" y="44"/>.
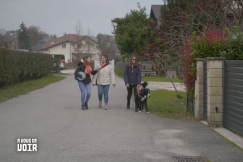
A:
<point x="18" y="66"/>
<point x="62" y="57"/>
<point x="218" y="44"/>
<point x="228" y="44"/>
<point x="56" y="65"/>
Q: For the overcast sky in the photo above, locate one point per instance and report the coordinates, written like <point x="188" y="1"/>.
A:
<point x="60" y="16"/>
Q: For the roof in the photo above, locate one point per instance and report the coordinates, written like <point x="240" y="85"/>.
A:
<point x="66" y="38"/>
<point x="6" y="39"/>
<point x="44" y="40"/>
<point x="155" y="9"/>
<point x="36" y="47"/>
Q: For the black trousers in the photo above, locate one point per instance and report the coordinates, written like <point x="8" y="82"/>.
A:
<point x="129" y="92"/>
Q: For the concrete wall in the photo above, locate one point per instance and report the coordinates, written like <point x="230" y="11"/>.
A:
<point x="200" y="92"/>
<point x="214" y="91"/>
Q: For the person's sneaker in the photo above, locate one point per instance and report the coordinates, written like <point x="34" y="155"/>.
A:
<point x="106" y="108"/>
<point x="86" y="106"/>
<point x="100" y="104"/>
<point x="83" y="107"/>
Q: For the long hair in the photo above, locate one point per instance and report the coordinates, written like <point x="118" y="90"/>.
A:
<point x="129" y="63"/>
<point x="79" y="63"/>
<point x="85" y="59"/>
<point x="107" y="59"/>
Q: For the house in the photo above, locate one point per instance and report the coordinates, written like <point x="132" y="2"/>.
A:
<point x="72" y="43"/>
<point x="155" y="14"/>
<point x="37" y="48"/>
<point x="8" y="42"/>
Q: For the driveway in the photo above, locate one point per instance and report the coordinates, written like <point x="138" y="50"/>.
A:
<point x="65" y="133"/>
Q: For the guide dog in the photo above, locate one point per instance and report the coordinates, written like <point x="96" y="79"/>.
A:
<point x="141" y="98"/>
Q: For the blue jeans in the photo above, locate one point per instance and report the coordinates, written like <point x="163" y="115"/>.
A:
<point x="103" y="89"/>
<point x="82" y="87"/>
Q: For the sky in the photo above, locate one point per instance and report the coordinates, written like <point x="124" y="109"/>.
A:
<point x="60" y="16"/>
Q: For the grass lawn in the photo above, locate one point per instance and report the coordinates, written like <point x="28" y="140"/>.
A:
<point x="160" y="79"/>
<point x="119" y="72"/>
<point x="60" y="73"/>
<point x="165" y="103"/>
<point x="149" y="78"/>
<point x="27" y="86"/>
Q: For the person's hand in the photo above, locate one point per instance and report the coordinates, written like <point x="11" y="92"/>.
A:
<point x="83" y="77"/>
<point x="127" y="85"/>
<point x="138" y="86"/>
<point x="93" y="84"/>
<point x="114" y="85"/>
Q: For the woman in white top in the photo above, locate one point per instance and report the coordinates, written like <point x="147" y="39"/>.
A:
<point x="103" y="79"/>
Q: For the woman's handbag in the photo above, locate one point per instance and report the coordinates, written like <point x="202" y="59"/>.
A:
<point x="97" y="78"/>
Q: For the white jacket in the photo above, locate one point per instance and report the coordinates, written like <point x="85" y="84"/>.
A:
<point x="106" y="76"/>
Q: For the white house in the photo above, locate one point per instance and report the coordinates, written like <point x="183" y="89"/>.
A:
<point x="72" y="43"/>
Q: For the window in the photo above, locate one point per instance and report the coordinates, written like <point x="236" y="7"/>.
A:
<point x="64" y="45"/>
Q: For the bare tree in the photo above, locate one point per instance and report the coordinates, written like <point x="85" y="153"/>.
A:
<point x="89" y="35"/>
<point x="77" y="45"/>
<point x="2" y="31"/>
<point x="79" y="28"/>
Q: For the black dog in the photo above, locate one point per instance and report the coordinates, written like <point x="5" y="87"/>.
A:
<point x="141" y="98"/>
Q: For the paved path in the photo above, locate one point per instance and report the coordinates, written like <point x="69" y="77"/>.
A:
<point x="67" y="134"/>
<point x="166" y="86"/>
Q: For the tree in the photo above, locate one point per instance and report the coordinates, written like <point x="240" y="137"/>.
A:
<point x="23" y="37"/>
<point x="101" y="37"/>
<point x="197" y="16"/>
<point x="2" y="31"/>
<point x="130" y="31"/>
<point x="89" y="35"/>
<point x="34" y="34"/>
<point x="77" y="45"/>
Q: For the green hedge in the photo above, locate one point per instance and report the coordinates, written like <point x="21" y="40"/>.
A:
<point x="59" y="56"/>
<point x="18" y="66"/>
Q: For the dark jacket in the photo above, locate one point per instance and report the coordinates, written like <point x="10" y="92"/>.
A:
<point x="87" y="80"/>
<point x="132" y="76"/>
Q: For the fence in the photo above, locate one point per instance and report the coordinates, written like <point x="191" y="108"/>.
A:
<point x="121" y="65"/>
<point x="219" y="97"/>
<point x="190" y="103"/>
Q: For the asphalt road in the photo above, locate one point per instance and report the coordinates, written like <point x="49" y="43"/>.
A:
<point x="65" y="133"/>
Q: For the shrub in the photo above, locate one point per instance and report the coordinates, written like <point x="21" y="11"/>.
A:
<point x="224" y="43"/>
<point x="18" y="66"/>
<point x="59" y="56"/>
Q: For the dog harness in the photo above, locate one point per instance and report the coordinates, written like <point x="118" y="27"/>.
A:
<point x="138" y="89"/>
